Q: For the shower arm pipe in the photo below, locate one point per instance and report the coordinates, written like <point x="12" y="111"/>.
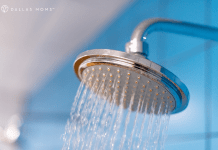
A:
<point x="141" y="32"/>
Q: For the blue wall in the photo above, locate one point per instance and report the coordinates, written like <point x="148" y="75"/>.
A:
<point x="48" y="109"/>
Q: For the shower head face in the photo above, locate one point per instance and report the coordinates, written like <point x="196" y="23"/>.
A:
<point x="132" y="81"/>
<point x="128" y="88"/>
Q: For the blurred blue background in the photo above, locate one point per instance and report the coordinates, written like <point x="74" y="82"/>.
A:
<point x="193" y="60"/>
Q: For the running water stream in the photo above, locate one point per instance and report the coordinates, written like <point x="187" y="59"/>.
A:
<point x="106" y="115"/>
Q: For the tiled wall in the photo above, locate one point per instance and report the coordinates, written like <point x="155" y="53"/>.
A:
<point x="48" y="109"/>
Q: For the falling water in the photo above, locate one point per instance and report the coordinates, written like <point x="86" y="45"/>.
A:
<point x="117" y="110"/>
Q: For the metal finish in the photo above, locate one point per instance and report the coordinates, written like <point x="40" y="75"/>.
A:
<point x="133" y="60"/>
<point x="157" y="74"/>
<point x="137" y="45"/>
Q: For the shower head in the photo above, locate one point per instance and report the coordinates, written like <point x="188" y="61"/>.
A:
<point x="128" y="74"/>
<point x="131" y="78"/>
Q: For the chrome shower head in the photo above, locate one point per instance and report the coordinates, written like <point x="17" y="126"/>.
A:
<point x="131" y="73"/>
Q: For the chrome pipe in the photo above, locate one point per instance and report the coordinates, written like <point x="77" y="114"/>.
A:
<point x="141" y="32"/>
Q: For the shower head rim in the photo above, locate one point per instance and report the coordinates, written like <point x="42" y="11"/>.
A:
<point x="138" y="59"/>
